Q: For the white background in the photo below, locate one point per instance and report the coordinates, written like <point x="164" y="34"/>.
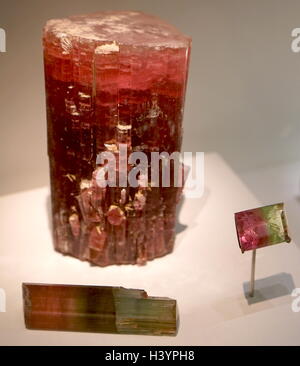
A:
<point x="242" y="110"/>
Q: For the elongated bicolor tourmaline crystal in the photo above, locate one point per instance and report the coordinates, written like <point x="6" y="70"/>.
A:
<point x="262" y="227"/>
<point x="112" y="78"/>
<point x="97" y="309"/>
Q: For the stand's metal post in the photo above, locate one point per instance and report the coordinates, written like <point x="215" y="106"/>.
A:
<point x="252" y="281"/>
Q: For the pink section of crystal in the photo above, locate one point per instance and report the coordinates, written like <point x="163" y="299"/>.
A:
<point x="252" y="229"/>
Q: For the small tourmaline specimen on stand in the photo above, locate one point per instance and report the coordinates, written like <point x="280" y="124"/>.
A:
<point x="98" y="309"/>
<point x="112" y="78"/>
<point x="261" y="227"/>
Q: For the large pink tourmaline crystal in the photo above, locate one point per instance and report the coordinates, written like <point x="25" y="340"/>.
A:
<point x="112" y="79"/>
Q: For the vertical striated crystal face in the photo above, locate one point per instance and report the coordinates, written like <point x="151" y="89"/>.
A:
<point x="112" y="79"/>
<point x="261" y="227"/>
<point x="100" y="309"/>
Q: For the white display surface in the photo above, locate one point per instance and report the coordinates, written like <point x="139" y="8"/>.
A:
<point x="205" y="273"/>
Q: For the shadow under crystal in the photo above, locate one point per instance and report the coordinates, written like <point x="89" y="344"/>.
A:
<point x="268" y="288"/>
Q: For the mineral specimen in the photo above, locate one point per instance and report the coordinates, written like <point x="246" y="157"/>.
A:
<point x="261" y="227"/>
<point x="112" y="79"/>
<point x="97" y="309"/>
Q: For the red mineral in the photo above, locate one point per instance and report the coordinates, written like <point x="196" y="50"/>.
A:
<point x="113" y="79"/>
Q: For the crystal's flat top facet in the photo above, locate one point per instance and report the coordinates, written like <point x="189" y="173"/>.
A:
<point x="260" y="227"/>
<point x="124" y="27"/>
